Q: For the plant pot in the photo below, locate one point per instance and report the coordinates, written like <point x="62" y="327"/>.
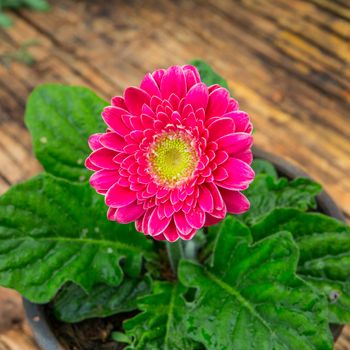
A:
<point x="36" y="313"/>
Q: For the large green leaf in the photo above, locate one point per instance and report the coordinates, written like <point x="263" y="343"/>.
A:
<point x="53" y="231"/>
<point x="160" y="325"/>
<point x="208" y="75"/>
<point x="267" y="193"/>
<point x="324" y="261"/>
<point x="250" y="298"/>
<point x="61" y="119"/>
<point x="73" y="304"/>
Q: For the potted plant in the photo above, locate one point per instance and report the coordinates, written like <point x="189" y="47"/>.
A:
<point x="229" y="258"/>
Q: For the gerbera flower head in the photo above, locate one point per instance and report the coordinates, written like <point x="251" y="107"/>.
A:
<point x="175" y="155"/>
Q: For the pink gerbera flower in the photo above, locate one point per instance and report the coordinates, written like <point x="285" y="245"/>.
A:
<point x="175" y="155"/>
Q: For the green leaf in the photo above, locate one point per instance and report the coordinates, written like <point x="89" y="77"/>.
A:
<point x="261" y="166"/>
<point x="73" y="304"/>
<point x="324" y="245"/>
<point x="208" y="75"/>
<point x="11" y="3"/>
<point x="61" y="119"/>
<point x="38" y="5"/>
<point x="297" y="222"/>
<point x="250" y="298"/>
<point x="159" y="326"/>
<point x="53" y="231"/>
<point x="267" y="193"/>
<point x="5" y="21"/>
<point x="121" y="338"/>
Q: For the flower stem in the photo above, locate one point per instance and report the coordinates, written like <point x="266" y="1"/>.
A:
<point x="175" y="253"/>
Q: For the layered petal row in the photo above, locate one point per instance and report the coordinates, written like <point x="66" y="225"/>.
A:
<point x="175" y="156"/>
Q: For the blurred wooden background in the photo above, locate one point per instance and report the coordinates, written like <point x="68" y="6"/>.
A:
<point x="287" y="62"/>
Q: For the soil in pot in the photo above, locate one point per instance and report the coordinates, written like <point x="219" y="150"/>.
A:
<point x="96" y="333"/>
<point x="92" y="334"/>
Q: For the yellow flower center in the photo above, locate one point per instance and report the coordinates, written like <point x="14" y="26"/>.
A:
<point x="172" y="159"/>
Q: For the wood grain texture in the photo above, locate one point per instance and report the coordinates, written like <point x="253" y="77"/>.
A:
<point x="287" y="62"/>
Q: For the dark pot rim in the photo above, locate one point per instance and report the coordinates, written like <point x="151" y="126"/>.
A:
<point x="36" y="313"/>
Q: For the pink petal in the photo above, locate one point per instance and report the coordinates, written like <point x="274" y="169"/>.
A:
<point x="126" y="118"/>
<point x="156" y="103"/>
<point x="157" y="225"/>
<point x="111" y="213"/>
<point x="138" y="224"/>
<point x="220" y="127"/>
<point x="221" y="157"/>
<point x="168" y="209"/>
<point x="171" y="233"/>
<point x="148" y="110"/>
<point x="152" y="188"/>
<point x="191" y="75"/>
<point x="162" y="192"/>
<point x="249" y="128"/>
<point x="236" y="202"/>
<point x="136" y="123"/>
<point x="205" y="199"/>
<point x="173" y="82"/>
<point x="174" y="195"/>
<point x="135" y="98"/>
<point x="181" y="223"/>
<point x="94" y="142"/>
<point x="232" y="105"/>
<point x="102" y="180"/>
<point x="118" y="101"/>
<point x="218" y="102"/>
<point x="113" y="118"/>
<point x="220" y="174"/>
<point x="90" y="165"/>
<point x="120" y="158"/>
<point x="197" y="97"/>
<point x="174" y="101"/>
<point x="145" y="220"/>
<point x="178" y="206"/>
<point x="103" y="158"/>
<point x="213" y="87"/>
<point x="245" y="156"/>
<point x="147" y="121"/>
<point x="211" y="220"/>
<point x="196" y="218"/>
<point x="160" y="237"/>
<point x="240" y="175"/>
<point x="240" y="118"/>
<point x="158" y="75"/>
<point x="200" y="114"/>
<point x="235" y="143"/>
<point x="113" y="141"/>
<point x="188" y="236"/>
<point x="129" y="213"/>
<point x="150" y="85"/>
<point x="190" y="79"/>
<point x="118" y="196"/>
<point x="218" y="201"/>
<point x="219" y="214"/>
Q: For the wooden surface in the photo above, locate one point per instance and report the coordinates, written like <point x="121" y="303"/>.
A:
<point x="287" y="62"/>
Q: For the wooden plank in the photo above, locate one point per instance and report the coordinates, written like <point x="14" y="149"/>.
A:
<point x="16" y="158"/>
<point x="14" y="331"/>
<point x="304" y="108"/>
